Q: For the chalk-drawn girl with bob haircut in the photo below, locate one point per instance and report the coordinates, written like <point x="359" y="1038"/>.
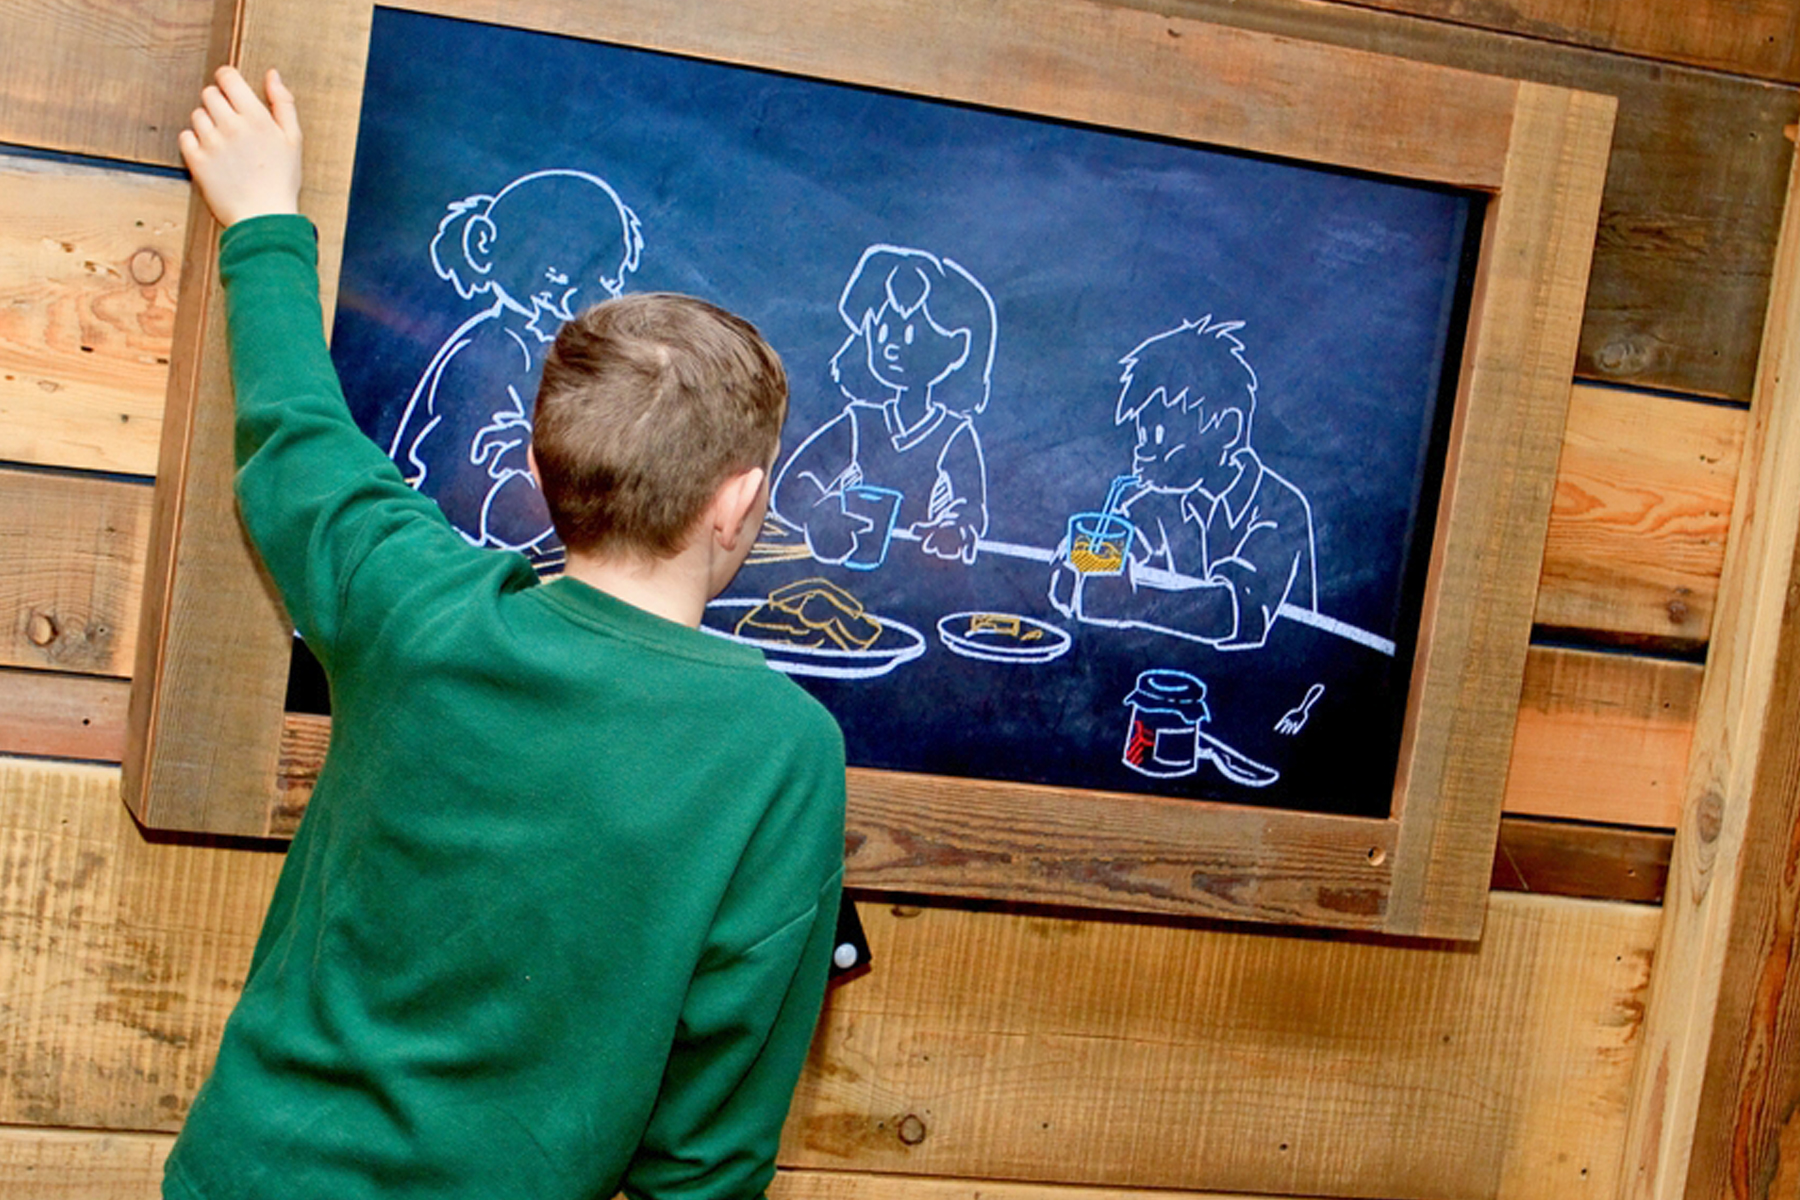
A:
<point x="538" y="250"/>
<point x="916" y="367"/>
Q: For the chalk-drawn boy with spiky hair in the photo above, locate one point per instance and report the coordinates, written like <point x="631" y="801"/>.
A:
<point x="1220" y="542"/>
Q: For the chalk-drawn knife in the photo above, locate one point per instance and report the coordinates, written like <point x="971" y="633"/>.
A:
<point x="1239" y="768"/>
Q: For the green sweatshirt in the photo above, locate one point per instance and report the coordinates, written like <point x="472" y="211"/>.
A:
<point x="557" y="920"/>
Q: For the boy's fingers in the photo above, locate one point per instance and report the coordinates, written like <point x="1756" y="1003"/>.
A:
<point x="202" y="123"/>
<point x="281" y="102"/>
<point x="216" y="106"/>
<point x="238" y="91"/>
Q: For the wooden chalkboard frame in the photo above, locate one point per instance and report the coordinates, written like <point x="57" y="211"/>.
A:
<point x="207" y="724"/>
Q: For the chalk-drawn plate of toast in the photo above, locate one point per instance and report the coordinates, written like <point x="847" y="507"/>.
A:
<point x="1002" y="637"/>
<point x="814" y="627"/>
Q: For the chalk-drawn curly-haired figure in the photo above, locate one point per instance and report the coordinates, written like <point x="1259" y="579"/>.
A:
<point x="1219" y="543"/>
<point x="916" y="368"/>
<point x="536" y="250"/>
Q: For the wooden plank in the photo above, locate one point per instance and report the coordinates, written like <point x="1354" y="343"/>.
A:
<point x="62" y="716"/>
<point x="121" y="956"/>
<point x="1476" y="616"/>
<point x="139" y="67"/>
<point x="71" y="571"/>
<point x="208" y="680"/>
<point x="1549" y="858"/>
<point x="1744" y="37"/>
<point x="90" y="259"/>
<point x="1603" y="737"/>
<point x="1714" y="870"/>
<point x="1643" y="503"/>
<point x="56" y="1164"/>
<point x="1591" y="862"/>
<point x="1748" y="1125"/>
<point x="1693" y="197"/>
<point x="73" y="1165"/>
<point x="1204" y="80"/>
<point x="842" y="1185"/>
<point x="1124" y="1054"/>
<point x="1388" y="1069"/>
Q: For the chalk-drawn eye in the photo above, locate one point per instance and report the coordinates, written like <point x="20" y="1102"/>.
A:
<point x="911" y="329"/>
<point x="881" y="334"/>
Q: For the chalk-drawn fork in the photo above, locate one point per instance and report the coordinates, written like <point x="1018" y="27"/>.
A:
<point x="1295" y="718"/>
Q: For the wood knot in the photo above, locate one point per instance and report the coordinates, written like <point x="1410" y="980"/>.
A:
<point x="1709" y="816"/>
<point x="1626" y="356"/>
<point x="41" y="629"/>
<point x="147" y="267"/>
<point x="1678" y="606"/>
<point x="911" y="1130"/>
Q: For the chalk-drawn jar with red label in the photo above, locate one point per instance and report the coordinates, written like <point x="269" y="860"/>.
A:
<point x="1167" y="709"/>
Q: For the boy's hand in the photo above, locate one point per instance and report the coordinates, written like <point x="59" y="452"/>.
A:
<point x="244" y="157"/>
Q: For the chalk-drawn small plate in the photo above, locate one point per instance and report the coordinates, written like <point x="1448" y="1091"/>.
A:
<point x="897" y="643"/>
<point x="1002" y="637"/>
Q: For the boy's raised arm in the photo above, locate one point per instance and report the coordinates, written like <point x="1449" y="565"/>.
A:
<point x="244" y="156"/>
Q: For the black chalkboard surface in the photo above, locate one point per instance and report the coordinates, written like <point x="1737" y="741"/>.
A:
<point x="1110" y="464"/>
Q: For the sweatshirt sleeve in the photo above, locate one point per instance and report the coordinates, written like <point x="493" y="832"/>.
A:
<point x="744" y="1035"/>
<point x="317" y="496"/>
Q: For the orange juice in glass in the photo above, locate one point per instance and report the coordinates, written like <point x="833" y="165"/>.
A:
<point x="1097" y="542"/>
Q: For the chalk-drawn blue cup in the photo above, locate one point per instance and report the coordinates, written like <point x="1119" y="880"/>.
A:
<point x="1097" y="542"/>
<point x="880" y="506"/>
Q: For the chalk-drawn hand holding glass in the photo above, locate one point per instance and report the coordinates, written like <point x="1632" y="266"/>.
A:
<point x="244" y="156"/>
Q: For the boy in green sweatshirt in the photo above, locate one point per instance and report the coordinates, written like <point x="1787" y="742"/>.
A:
<point x="557" y="921"/>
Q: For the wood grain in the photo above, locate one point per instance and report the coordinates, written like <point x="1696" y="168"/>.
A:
<point x="100" y="77"/>
<point x="79" y="717"/>
<point x="1603" y="737"/>
<point x="1748" y="1125"/>
<point x="121" y="956"/>
<point x="1233" y="1061"/>
<point x="62" y="716"/>
<point x="1096" y="63"/>
<point x="1637" y="529"/>
<point x="844" y="1185"/>
<point x="1694" y="190"/>
<point x="90" y="260"/>
<point x="1591" y="862"/>
<point x="1488" y="548"/>
<point x="1213" y="1046"/>
<point x="74" y="1165"/>
<point x="71" y="571"/>
<point x="57" y="1164"/>
<point x="1718" y="889"/>
<point x="1744" y="37"/>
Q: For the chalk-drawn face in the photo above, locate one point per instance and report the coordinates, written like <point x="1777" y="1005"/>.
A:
<point x="558" y="240"/>
<point x="1179" y="449"/>
<point x="909" y="351"/>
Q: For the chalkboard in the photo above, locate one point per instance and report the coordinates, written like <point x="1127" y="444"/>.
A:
<point x="1207" y="390"/>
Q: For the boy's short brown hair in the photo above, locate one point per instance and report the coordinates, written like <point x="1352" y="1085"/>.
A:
<point x="648" y="403"/>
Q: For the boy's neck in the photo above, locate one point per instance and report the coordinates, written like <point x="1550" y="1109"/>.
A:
<point x="675" y="588"/>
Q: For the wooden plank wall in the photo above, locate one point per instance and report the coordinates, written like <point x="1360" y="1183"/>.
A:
<point x="1019" y="1053"/>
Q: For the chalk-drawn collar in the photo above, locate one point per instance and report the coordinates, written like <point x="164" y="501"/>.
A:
<point x="1235" y="499"/>
<point x="904" y="438"/>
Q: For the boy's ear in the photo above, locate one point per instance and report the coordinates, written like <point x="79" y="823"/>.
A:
<point x="733" y="505"/>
